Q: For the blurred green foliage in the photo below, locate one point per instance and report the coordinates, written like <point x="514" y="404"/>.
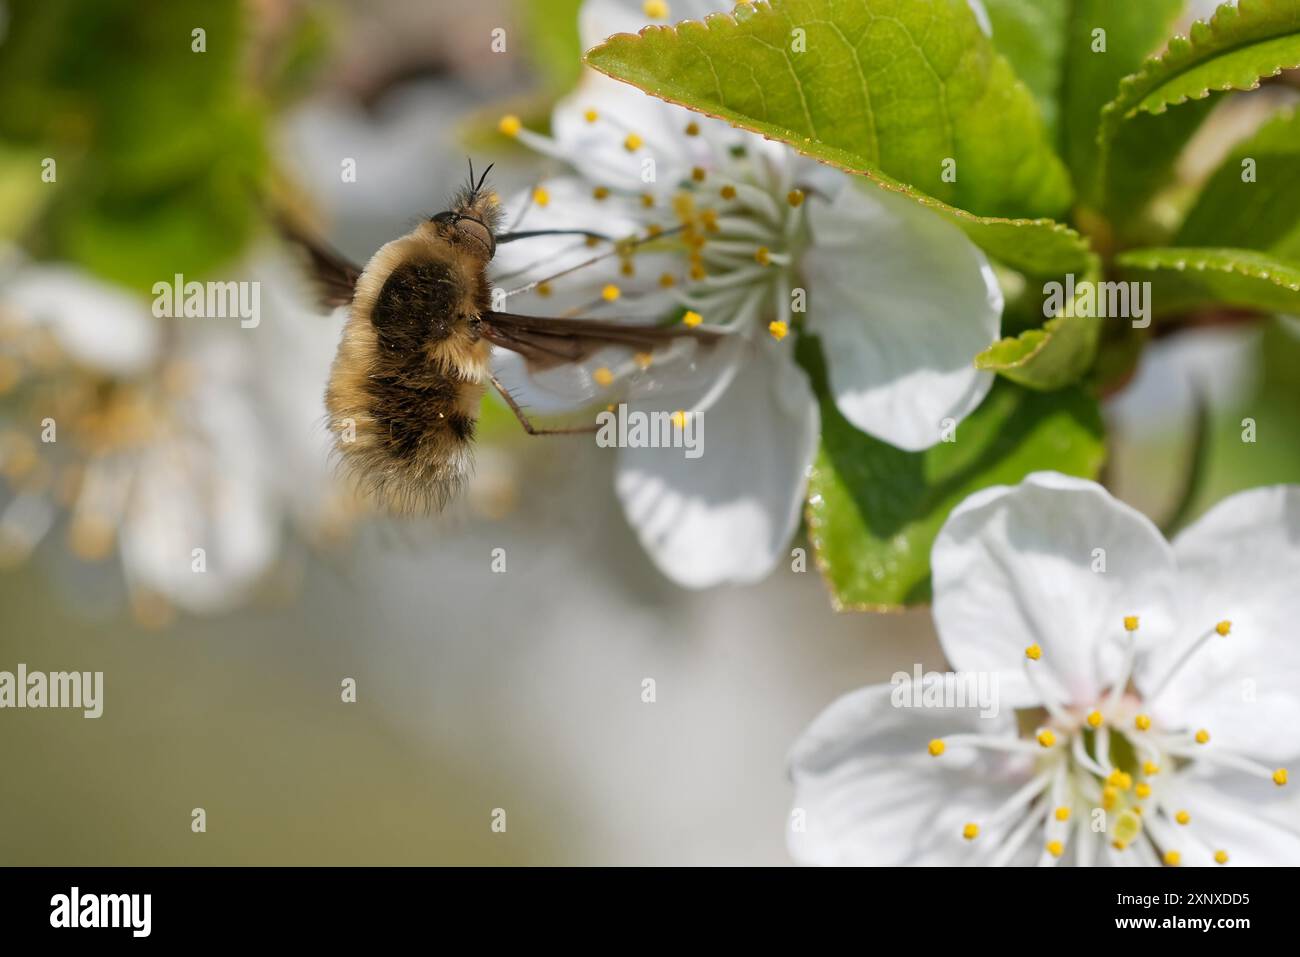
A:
<point x="553" y="43"/>
<point x="159" y="145"/>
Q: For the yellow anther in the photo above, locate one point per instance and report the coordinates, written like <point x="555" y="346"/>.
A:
<point x="1130" y="622"/>
<point x="1202" y="736"/>
<point x="1118" y="844"/>
<point x="1173" y="858"/>
<point x="937" y="747"/>
<point x="794" y="198"/>
<point x="644" y="359"/>
<point x="1094" y="719"/>
<point x="1182" y="817"/>
<point x="728" y="192"/>
<point x="1223" y="627"/>
<point x="510" y="125"/>
<point x="541" y="197"/>
<point x="970" y="831"/>
<point x="1109" y="796"/>
<point x="762" y="256"/>
<point x="591" y="116"/>
<point x="544" y="289"/>
<point x="603" y="376"/>
<point x="697" y="271"/>
<point x="1055" y="848"/>
<point x="590" y="242"/>
<point x="1149" y="768"/>
<point x="1033" y="652"/>
<point x="1220" y="857"/>
<point x="679" y="419"/>
<point x="599" y="193"/>
<point x="1279" y="777"/>
<point x="1046" y="738"/>
<point x="628" y="268"/>
<point x="647" y="200"/>
<point x="698" y="174"/>
<point x="1143" y="791"/>
<point x="709" y="217"/>
<point x="654" y="230"/>
<point x="693" y="319"/>
<point x="655" y="9"/>
<point x="692" y="128"/>
<point x="667" y="280"/>
<point x="1142" y="722"/>
<point x="1128" y="826"/>
<point x="1120" y="779"/>
<point x="1062" y="813"/>
<point x="610" y="293"/>
<point x="779" y="330"/>
<point x="633" y="143"/>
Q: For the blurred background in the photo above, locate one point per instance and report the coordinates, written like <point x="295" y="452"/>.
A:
<point x="475" y="690"/>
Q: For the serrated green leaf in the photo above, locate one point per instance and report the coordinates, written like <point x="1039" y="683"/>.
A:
<point x="1134" y="29"/>
<point x="874" y="510"/>
<point x="1262" y="213"/>
<point x="1186" y="279"/>
<point x="883" y="86"/>
<point x="1041" y="248"/>
<point x="1140" y="137"/>
<point x="1031" y="35"/>
<point x="1054" y="355"/>
<point x="1046" y="359"/>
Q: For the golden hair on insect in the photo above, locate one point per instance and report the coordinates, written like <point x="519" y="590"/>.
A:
<point x="405" y="387"/>
<point x="414" y="361"/>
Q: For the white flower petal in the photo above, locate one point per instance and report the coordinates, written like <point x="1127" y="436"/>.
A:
<point x="981" y="16"/>
<point x="728" y="515"/>
<point x="1013" y="566"/>
<point x="101" y="325"/>
<point x="903" y="302"/>
<point x="871" y="794"/>
<point x="1238" y="563"/>
<point x="1225" y="817"/>
<point x="209" y="489"/>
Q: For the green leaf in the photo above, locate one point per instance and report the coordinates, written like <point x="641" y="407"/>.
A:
<point x="1263" y="213"/>
<point x="1140" y="137"/>
<point x="1053" y="356"/>
<point x="1186" y="279"/>
<point x="883" y="86"/>
<point x="874" y="510"/>
<point x="1090" y="78"/>
<point x="158" y="145"/>
<point x="1041" y="248"/>
<point x="1031" y="35"/>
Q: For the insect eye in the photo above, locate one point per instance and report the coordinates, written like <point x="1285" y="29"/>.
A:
<point x="445" y="217"/>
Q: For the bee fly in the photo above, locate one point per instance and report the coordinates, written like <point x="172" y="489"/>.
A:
<point x="415" y="357"/>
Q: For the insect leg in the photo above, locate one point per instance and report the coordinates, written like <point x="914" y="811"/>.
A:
<point x="527" y="423"/>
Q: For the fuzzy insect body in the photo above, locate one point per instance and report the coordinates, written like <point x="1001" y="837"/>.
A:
<point x="414" y="362"/>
